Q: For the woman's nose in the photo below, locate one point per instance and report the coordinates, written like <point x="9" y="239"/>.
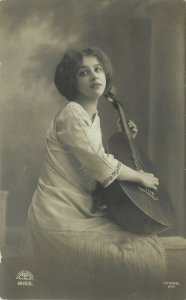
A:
<point x="93" y="75"/>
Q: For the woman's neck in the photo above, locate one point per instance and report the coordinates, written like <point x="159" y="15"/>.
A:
<point x="89" y="106"/>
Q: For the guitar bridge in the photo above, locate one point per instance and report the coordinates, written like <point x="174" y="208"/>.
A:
<point x="149" y="192"/>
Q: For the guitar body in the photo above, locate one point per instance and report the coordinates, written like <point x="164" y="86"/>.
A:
<point x="133" y="207"/>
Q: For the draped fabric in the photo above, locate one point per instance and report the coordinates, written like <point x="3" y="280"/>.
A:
<point x="61" y="224"/>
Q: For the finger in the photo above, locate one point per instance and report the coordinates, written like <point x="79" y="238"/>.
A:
<point x="131" y="124"/>
<point x="157" y="183"/>
<point x="156" y="179"/>
<point x="134" y="134"/>
<point x="134" y="129"/>
<point x="154" y="187"/>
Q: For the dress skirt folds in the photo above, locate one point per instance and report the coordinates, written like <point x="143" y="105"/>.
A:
<point x="62" y="230"/>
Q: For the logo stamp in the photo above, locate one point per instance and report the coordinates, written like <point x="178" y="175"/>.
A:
<point x="172" y="284"/>
<point x="25" y="278"/>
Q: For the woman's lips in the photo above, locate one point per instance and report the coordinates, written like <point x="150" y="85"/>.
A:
<point x="95" y="85"/>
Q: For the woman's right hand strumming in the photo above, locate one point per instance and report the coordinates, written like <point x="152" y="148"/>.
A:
<point x="145" y="179"/>
<point x="148" y="180"/>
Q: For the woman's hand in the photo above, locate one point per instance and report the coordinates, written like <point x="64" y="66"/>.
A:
<point x="133" y="128"/>
<point x="148" y="180"/>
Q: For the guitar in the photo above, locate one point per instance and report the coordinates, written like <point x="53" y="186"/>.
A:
<point x="136" y="208"/>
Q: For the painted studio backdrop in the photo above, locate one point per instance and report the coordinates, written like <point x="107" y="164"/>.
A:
<point x="145" y="40"/>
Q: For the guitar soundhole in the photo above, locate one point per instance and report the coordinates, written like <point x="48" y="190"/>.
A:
<point x="149" y="192"/>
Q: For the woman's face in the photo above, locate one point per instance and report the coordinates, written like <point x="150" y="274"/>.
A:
<point x="91" y="80"/>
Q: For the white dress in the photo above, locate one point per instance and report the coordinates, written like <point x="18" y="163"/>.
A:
<point x="60" y="217"/>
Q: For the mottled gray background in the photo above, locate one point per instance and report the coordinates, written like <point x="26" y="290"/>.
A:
<point x="34" y="34"/>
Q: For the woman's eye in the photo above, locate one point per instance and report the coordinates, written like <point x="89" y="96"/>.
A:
<point x="98" y="69"/>
<point x="83" y="73"/>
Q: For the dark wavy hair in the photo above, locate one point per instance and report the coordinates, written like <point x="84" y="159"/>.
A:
<point x="66" y="70"/>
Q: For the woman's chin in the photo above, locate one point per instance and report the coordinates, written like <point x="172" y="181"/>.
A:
<point x="97" y="93"/>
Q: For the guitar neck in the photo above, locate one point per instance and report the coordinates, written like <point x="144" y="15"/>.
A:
<point x="125" y="129"/>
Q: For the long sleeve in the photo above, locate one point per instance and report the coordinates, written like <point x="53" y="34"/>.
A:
<point x="83" y="138"/>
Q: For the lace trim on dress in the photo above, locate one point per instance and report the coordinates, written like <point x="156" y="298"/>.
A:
<point x="111" y="178"/>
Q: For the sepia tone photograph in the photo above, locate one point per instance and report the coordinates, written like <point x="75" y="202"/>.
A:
<point x="92" y="149"/>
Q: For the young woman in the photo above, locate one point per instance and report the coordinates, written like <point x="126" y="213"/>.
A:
<point x="61" y="224"/>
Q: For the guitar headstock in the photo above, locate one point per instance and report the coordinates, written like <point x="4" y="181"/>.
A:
<point x="110" y="95"/>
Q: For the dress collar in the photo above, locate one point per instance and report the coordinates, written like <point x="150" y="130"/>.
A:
<point x="86" y="113"/>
